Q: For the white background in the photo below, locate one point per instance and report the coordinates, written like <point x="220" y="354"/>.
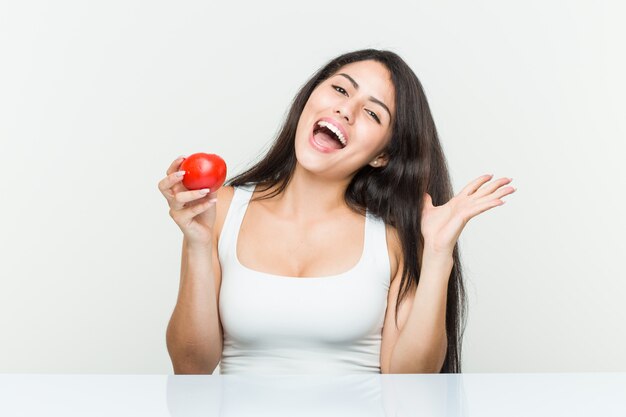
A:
<point x="97" y="99"/>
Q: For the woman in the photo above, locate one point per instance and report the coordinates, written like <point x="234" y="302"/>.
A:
<point x="309" y="262"/>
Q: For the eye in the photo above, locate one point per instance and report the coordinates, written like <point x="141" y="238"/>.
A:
<point x="374" y="115"/>
<point x="336" y="87"/>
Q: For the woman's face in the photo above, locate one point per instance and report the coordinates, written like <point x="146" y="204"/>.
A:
<point x="359" y="101"/>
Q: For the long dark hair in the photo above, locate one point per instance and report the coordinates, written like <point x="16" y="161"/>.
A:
<point x="394" y="192"/>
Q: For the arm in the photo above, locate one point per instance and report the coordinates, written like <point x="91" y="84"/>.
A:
<point x="194" y="333"/>
<point x="422" y="342"/>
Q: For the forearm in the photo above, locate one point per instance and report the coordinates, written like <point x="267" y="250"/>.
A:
<point x="194" y="336"/>
<point x="422" y="343"/>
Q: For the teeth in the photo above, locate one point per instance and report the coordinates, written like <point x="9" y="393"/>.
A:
<point x="335" y="130"/>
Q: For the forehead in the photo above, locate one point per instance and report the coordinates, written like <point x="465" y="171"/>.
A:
<point x="373" y="78"/>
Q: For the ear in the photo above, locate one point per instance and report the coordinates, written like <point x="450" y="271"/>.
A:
<point x="380" y="161"/>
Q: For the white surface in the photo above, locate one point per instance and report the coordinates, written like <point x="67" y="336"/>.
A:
<point x="479" y="395"/>
<point x="97" y="98"/>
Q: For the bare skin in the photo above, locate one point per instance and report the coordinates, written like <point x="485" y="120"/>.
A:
<point x="312" y="244"/>
<point x="310" y="219"/>
<point x="308" y="231"/>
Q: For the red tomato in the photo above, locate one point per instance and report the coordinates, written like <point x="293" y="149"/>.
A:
<point x="203" y="170"/>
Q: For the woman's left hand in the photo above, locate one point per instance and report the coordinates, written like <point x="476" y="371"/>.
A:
<point x="442" y="225"/>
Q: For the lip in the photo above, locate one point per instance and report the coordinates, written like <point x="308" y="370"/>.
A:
<point x="319" y="147"/>
<point x="335" y="123"/>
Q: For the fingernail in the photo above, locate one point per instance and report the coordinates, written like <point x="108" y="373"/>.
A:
<point x="180" y="157"/>
<point x="205" y="191"/>
<point x="180" y="173"/>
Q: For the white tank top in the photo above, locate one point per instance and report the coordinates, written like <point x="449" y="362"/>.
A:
<point x="274" y="324"/>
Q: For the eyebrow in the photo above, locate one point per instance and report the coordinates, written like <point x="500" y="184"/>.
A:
<point x="374" y="99"/>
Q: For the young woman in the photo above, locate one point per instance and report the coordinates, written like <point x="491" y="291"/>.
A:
<point x="337" y="252"/>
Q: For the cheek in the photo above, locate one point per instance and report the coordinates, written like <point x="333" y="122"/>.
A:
<point x="373" y="138"/>
<point x="319" y="104"/>
<point x="320" y="99"/>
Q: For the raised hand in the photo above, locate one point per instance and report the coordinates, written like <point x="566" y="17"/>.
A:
<point x="442" y="225"/>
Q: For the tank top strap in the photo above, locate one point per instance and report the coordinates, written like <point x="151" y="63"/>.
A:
<point x="375" y="253"/>
<point x="232" y="222"/>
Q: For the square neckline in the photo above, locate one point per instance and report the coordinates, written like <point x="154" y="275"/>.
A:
<point x="290" y="277"/>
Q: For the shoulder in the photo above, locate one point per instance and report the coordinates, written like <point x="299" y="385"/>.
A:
<point x="224" y="198"/>
<point x="394" y="247"/>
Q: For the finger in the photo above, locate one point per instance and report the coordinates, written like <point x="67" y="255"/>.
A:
<point x="188" y="213"/>
<point x="175" y="164"/>
<point x="482" y="207"/>
<point x="175" y="167"/>
<point x="170" y="185"/>
<point x="498" y="194"/>
<point x="474" y="185"/>
<point x="170" y="180"/>
<point x="491" y="187"/>
<point x="180" y="199"/>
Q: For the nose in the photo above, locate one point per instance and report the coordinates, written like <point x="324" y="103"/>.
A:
<point x="343" y="110"/>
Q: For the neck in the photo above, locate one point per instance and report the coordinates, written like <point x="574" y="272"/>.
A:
<point x="309" y="196"/>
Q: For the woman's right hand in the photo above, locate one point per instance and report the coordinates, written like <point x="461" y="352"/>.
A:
<point x="193" y="211"/>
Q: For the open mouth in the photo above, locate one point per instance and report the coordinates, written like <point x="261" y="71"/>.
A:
<point x="328" y="136"/>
